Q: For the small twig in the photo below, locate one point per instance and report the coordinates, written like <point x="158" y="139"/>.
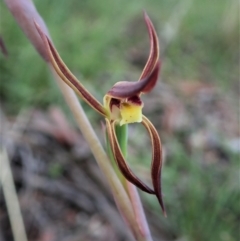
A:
<point x="10" y="194"/>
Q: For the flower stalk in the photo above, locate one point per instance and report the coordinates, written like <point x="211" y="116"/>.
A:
<point x="122" y="135"/>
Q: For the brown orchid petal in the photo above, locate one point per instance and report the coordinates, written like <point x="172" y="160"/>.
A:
<point x="154" y="49"/>
<point x="156" y="160"/>
<point x="120" y="160"/>
<point x="125" y="89"/>
<point x="67" y="76"/>
<point x="152" y="83"/>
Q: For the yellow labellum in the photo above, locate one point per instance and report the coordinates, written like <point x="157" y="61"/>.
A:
<point x="130" y="113"/>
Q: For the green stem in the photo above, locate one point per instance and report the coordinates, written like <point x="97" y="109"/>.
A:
<point x="122" y="135"/>
<point x="113" y="162"/>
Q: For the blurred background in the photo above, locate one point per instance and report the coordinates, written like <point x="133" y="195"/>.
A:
<point x="195" y="108"/>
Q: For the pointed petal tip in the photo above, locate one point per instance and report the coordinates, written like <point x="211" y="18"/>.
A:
<point x="146" y="17"/>
<point x="154" y="48"/>
<point x="162" y="205"/>
<point x="38" y="28"/>
<point x="35" y="23"/>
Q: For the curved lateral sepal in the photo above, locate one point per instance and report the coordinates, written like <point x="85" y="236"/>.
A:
<point x="67" y="76"/>
<point x="156" y="161"/>
<point x="120" y="160"/>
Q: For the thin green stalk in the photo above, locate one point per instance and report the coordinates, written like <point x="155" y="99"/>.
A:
<point x="112" y="159"/>
<point x="122" y="135"/>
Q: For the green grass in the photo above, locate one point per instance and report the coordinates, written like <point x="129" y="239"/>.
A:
<point x="95" y="39"/>
<point x="201" y="195"/>
<point x="198" y="209"/>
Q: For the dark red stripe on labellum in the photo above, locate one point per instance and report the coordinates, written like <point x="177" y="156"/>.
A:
<point x="114" y="102"/>
<point x="135" y="100"/>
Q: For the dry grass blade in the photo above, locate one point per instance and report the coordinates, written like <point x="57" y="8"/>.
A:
<point x="9" y="191"/>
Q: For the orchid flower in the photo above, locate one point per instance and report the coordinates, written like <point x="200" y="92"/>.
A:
<point x="122" y="105"/>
